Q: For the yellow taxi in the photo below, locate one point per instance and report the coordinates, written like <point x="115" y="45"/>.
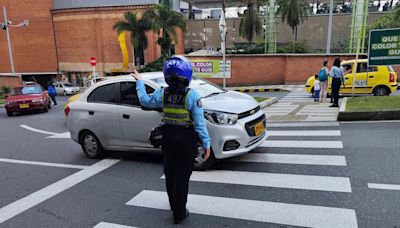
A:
<point x="382" y="80"/>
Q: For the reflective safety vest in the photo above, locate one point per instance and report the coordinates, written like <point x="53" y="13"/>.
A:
<point x="175" y="109"/>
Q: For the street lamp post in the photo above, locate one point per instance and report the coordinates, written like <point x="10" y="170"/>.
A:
<point x="5" y="26"/>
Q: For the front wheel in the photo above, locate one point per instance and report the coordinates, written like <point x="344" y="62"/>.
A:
<point x="91" y="145"/>
<point x="201" y="164"/>
<point x="10" y="113"/>
<point x="65" y="93"/>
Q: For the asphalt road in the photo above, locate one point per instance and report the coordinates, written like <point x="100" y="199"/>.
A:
<point x="320" y="175"/>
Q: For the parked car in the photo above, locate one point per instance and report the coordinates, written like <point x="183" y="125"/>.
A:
<point x="26" y="98"/>
<point x="382" y="80"/>
<point x="66" y="88"/>
<point x="108" y="116"/>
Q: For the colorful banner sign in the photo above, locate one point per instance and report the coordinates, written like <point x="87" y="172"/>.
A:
<point x="210" y="68"/>
<point x="384" y="47"/>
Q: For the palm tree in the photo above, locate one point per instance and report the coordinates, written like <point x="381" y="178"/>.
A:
<point x="137" y="28"/>
<point x="164" y="22"/>
<point x="250" y="24"/>
<point x="293" y="12"/>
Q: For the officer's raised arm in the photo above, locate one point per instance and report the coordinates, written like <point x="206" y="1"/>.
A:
<point x="152" y="101"/>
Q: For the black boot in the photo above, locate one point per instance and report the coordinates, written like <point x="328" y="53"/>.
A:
<point x="178" y="218"/>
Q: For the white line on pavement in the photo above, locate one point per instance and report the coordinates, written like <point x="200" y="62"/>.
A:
<point x="70" y="166"/>
<point x="304" y="133"/>
<point x="274" y="180"/>
<point x="253" y="210"/>
<point x="37" y="130"/>
<point x="384" y="186"/>
<point x="111" y="225"/>
<point x="300" y="124"/>
<point x="17" y="207"/>
<point x="302" y="144"/>
<point x="301" y="159"/>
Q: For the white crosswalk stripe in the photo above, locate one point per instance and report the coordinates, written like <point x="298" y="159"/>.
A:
<point x="301" y="159"/>
<point x="299" y="214"/>
<point x="254" y="210"/>
<point x="111" y="225"/>
<point x="275" y="180"/>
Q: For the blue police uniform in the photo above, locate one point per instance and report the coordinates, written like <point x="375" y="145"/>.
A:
<point x="193" y="103"/>
<point x="179" y="144"/>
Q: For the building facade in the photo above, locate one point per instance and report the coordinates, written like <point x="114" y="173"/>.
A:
<point x="63" y="34"/>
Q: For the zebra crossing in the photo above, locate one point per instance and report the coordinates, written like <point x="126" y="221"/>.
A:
<point x="300" y="106"/>
<point x="272" y="211"/>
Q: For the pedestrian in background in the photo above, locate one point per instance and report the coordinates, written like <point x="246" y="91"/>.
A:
<point x="316" y="88"/>
<point x="52" y="92"/>
<point x="337" y="74"/>
<point x="183" y="116"/>
<point x="323" y="78"/>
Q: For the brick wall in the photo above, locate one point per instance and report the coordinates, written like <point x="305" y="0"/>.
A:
<point x="33" y="46"/>
<point x="274" y="69"/>
<point x="10" y="81"/>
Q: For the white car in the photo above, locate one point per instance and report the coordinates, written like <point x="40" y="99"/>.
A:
<point x="66" y="88"/>
<point x="108" y="116"/>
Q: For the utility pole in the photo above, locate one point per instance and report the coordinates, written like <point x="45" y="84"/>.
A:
<point x="329" y="38"/>
<point x="6" y="23"/>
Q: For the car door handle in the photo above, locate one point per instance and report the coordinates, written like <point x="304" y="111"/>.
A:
<point x="371" y="76"/>
<point x="91" y="113"/>
<point x="346" y="78"/>
<point x="125" y="116"/>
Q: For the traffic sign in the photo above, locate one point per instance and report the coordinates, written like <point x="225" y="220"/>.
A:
<point x="384" y="47"/>
<point x="93" y="61"/>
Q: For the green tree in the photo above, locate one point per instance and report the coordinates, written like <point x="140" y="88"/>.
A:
<point x="164" y="21"/>
<point x="389" y="20"/>
<point x="250" y="23"/>
<point x="137" y="28"/>
<point x="294" y="12"/>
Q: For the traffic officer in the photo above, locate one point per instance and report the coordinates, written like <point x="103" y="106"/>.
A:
<point x="183" y="117"/>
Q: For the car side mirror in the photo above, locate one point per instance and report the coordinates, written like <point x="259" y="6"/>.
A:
<point x="151" y="109"/>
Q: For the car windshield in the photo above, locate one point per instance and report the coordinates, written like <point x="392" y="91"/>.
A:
<point x="68" y="85"/>
<point x="26" y="90"/>
<point x="204" y="88"/>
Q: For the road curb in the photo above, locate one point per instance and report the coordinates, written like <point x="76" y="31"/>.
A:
<point x="268" y="102"/>
<point x="249" y="90"/>
<point x="365" y="116"/>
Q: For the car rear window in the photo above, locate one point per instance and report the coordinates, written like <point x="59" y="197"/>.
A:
<point x="26" y="90"/>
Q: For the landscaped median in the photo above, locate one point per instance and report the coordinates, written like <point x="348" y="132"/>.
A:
<point x="370" y="108"/>
<point x="264" y="102"/>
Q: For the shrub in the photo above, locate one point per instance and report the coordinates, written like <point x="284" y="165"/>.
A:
<point x="154" y="66"/>
<point x="5" y="90"/>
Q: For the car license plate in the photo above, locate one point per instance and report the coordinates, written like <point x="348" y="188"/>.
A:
<point x="259" y="128"/>
<point x="24" y="106"/>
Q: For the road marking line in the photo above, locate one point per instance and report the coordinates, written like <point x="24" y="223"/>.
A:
<point x="300" y="124"/>
<point x="300" y="159"/>
<point x="384" y="186"/>
<point x="37" y="130"/>
<point x="17" y="207"/>
<point x="70" y="166"/>
<point x="253" y="210"/>
<point x="111" y="225"/>
<point x="274" y="180"/>
<point x="302" y="144"/>
<point x="304" y="133"/>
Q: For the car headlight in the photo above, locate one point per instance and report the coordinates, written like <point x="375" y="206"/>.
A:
<point x="220" y="117"/>
<point x="37" y="100"/>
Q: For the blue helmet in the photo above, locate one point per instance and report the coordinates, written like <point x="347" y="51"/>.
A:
<point x="178" y="67"/>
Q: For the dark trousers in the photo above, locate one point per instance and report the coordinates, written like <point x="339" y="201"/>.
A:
<point x="53" y="98"/>
<point x="336" y="82"/>
<point x="316" y="95"/>
<point x="179" y="148"/>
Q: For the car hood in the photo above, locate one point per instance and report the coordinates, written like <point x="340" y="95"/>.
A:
<point x="231" y="101"/>
<point x="23" y="97"/>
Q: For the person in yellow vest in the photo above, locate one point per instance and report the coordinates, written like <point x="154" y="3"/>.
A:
<point x="183" y="117"/>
